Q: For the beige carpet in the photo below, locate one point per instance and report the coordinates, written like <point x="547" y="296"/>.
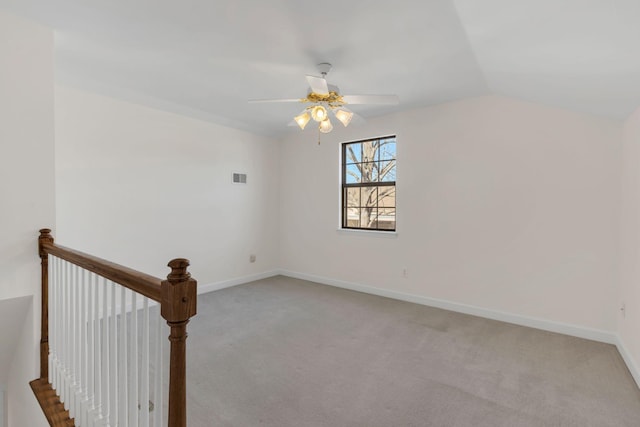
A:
<point x="283" y="352"/>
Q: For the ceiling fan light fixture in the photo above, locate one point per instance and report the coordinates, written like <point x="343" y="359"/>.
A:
<point x="325" y="126"/>
<point x="344" y="116"/>
<point x="322" y="97"/>
<point x="302" y="119"/>
<point x="319" y="113"/>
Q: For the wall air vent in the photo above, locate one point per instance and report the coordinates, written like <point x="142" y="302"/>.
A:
<point x="239" y="178"/>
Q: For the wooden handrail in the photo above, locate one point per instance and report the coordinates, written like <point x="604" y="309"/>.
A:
<point x="141" y="283"/>
<point x="177" y="296"/>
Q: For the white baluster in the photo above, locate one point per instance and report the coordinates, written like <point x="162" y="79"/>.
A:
<point x="113" y="363"/>
<point x="90" y="346"/>
<point x="84" y="369"/>
<point x="97" y="351"/>
<point x="70" y="332"/>
<point x="65" y="333"/>
<point x="133" y="360"/>
<point x="158" y="371"/>
<point x="79" y="372"/>
<point x="51" y="314"/>
<point x="104" y="403"/>
<point x="59" y="326"/>
<point x="75" y="329"/>
<point x="72" y="340"/>
<point x="144" y="366"/>
<point x="122" y="361"/>
<point x="53" y="327"/>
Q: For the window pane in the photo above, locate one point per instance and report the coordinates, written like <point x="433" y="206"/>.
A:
<point x="353" y="153"/>
<point x="376" y="172"/>
<point x="388" y="171"/>
<point x="352" y="217"/>
<point x="370" y="151"/>
<point x="387" y="219"/>
<point x="353" y="174"/>
<point x="369" y="218"/>
<point x="352" y="197"/>
<point x="367" y="172"/>
<point x="387" y="197"/>
<point x="369" y="197"/>
<point x="388" y="149"/>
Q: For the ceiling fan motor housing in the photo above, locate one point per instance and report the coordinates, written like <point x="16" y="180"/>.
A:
<point x="324" y="68"/>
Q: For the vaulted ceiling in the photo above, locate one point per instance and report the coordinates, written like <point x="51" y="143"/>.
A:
<point x="206" y="58"/>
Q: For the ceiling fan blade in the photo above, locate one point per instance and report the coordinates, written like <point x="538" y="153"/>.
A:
<point x="263" y="101"/>
<point x="318" y="85"/>
<point x="371" y="99"/>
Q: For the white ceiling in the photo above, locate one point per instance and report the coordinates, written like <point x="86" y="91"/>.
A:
<point x="206" y="58"/>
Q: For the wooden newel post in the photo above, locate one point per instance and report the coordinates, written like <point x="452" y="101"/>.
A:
<point x="178" y="305"/>
<point x="45" y="237"/>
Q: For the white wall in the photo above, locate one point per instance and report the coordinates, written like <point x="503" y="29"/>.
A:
<point x="502" y="205"/>
<point x="26" y="190"/>
<point x="14" y="309"/>
<point x="24" y="409"/>
<point x="140" y="186"/>
<point x="629" y="324"/>
<point x="3" y="418"/>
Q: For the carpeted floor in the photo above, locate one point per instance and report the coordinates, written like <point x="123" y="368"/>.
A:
<point x="283" y="352"/>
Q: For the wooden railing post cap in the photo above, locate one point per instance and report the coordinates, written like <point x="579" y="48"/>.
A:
<point x="179" y="271"/>
<point x="178" y="293"/>
<point x="45" y="236"/>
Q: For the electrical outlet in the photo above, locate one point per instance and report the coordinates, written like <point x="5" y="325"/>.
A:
<point x="623" y="310"/>
<point x="252" y="258"/>
<point x="405" y="273"/>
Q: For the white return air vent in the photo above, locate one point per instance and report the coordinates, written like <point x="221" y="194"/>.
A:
<point x="239" y="178"/>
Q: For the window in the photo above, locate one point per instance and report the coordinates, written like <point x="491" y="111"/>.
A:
<point x="369" y="184"/>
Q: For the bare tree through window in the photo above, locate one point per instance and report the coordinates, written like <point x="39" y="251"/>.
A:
<point x="369" y="184"/>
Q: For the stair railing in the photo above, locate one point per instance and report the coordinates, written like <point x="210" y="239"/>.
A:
<point x="101" y="344"/>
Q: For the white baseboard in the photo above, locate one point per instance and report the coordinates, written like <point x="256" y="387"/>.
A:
<point x="628" y="359"/>
<point x="210" y="287"/>
<point x="546" y="325"/>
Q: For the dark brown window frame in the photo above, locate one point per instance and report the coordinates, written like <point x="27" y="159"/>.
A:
<point x="344" y="186"/>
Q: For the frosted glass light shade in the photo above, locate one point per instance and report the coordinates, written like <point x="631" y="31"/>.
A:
<point x="344" y="116"/>
<point x="302" y="119"/>
<point x="325" y="126"/>
<point x="319" y="113"/>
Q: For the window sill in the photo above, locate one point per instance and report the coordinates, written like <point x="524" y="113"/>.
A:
<point x="372" y="233"/>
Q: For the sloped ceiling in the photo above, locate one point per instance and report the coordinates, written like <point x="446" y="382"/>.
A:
<point x="206" y="58"/>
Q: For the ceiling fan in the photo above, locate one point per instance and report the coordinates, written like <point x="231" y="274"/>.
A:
<point x="323" y="97"/>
